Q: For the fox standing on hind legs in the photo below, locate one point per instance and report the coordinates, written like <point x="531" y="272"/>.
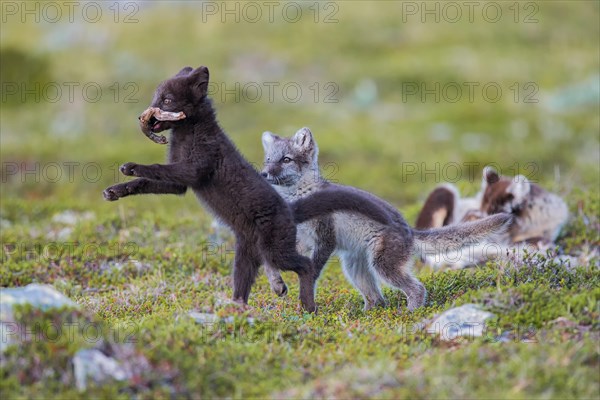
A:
<point x="369" y="250"/>
<point x="202" y="157"/>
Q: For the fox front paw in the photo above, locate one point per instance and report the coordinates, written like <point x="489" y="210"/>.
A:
<point x="130" y="169"/>
<point x="115" y="192"/>
<point x="110" y="195"/>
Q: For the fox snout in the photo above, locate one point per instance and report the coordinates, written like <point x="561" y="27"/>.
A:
<point x="266" y="173"/>
<point x="271" y="178"/>
<point x="272" y="175"/>
<point x="271" y="170"/>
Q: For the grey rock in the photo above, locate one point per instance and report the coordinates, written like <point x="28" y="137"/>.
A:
<point x="207" y="318"/>
<point x="39" y="296"/>
<point x="44" y="297"/>
<point x="203" y="318"/>
<point x="467" y="320"/>
<point x="70" y="217"/>
<point x="93" y="364"/>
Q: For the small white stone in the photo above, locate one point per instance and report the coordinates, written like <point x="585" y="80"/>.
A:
<point x="92" y="363"/>
<point x="467" y="320"/>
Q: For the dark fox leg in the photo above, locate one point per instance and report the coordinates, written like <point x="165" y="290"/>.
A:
<point x="276" y="281"/>
<point x="358" y="271"/>
<point x="302" y="266"/>
<point x="391" y="258"/>
<point x="325" y="246"/>
<point x="142" y="186"/>
<point x="321" y="252"/>
<point x="182" y="173"/>
<point x="245" y="268"/>
<point x="280" y="253"/>
<point x="306" y="274"/>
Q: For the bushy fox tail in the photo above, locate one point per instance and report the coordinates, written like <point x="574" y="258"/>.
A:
<point x="340" y="198"/>
<point x="454" y="237"/>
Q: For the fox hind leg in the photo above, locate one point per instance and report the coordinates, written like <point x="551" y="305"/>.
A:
<point x="391" y="259"/>
<point x="276" y="281"/>
<point x="304" y="268"/>
<point x="357" y="269"/>
<point x="245" y="268"/>
<point x="277" y="244"/>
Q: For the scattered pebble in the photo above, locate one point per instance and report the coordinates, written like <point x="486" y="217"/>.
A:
<point x="92" y="363"/>
<point x="39" y="296"/>
<point x="70" y="217"/>
<point x="207" y="318"/>
<point x="467" y="320"/>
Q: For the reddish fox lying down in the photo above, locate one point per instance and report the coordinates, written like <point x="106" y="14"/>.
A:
<point x="538" y="215"/>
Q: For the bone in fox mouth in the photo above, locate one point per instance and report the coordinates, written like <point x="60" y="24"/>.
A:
<point x="151" y="121"/>
<point x="154" y="124"/>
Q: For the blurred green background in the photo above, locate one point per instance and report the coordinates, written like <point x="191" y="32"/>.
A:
<point x="378" y="88"/>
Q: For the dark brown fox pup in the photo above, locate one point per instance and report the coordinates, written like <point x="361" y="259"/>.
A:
<point x="202" y="157"/>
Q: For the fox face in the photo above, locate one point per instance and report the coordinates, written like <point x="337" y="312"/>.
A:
<point x="183" y="92"/>
<point x="502" y="194"/>
<point x="288" y="161"/>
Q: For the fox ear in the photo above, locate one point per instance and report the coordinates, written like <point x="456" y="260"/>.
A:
<point x="519" y="187"/>
<point x="303" y="139"/>
<point x="490" y="176"/>
<point x="268" y="138"/>
<point x="199" y="80"/>
<point x="185" y="71"/>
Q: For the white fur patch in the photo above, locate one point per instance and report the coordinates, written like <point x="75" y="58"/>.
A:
<point x="438" y="217"/>
<point x="303" y="138"/>
<point x="267" y="139"/>
<point x="489" y="176"/>
<point x="519" y="187"/>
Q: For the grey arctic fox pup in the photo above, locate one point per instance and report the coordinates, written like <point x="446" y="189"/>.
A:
<point x="370" y="251"/>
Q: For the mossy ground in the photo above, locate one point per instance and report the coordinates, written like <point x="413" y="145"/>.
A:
<point x="138" y="266"/>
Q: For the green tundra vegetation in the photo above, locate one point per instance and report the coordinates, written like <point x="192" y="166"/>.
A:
<point x="398" y="102"/>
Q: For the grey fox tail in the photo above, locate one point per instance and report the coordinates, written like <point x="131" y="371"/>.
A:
<point x="327" y="201"/>
<point x="454" y="237"/>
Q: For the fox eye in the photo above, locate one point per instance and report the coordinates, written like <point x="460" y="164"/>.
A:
<point x="286" y="160"/>
<point x="167" y="101"/>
